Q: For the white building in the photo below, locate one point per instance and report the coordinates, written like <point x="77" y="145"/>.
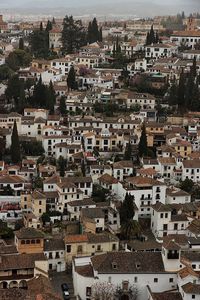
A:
<point x="156" y="51"/>
<point x="122" y="270"/>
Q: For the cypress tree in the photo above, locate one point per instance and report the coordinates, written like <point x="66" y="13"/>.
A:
<point x="49" y="26"/>
<point x="73" y="35"/>
<point x="62" y="106"/>
<point x="71" y="79"/>
<point x="62" y="166"/>
<point x="50" y="98"/>
<point x="22" y="99"/>
<point x="127" y="209"/>
<point x="95" y="31"/>
<point x="100" y="35"/>
<point x="152" y="36"/>
<point x="21" y="44"/>
<point x="15" y="146"/>
<point x="41" y="26"/>
<point x="89" y="34"/>
<point x="114" y="50"/>
<point x="181" y="92"/>
<point x="53" y="21"/>
<point x="195" y="103"/>
<point x="142" y="147"/>
<point x="194" y="67"/>
<point x="128" y="152"/>
<point x="156" y="38"/>
<point x="148" y="39"/>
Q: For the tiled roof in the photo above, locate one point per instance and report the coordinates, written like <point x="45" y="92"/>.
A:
<point x="123" y="164"/>
<point x="187" y="271"/>
<point x="108" y="179"/>
<point x="140" y="181"/>
<point x="92" y="213"/>
<point x="191" y="255"/>
<point x="76" y="238"/>
<point x="101" y="238"/>
<point x="54" y="245"/>
<point x="85" y="271"/>
<point x="191" y="288"/>
<point x="20" y="261"/>
<point x="28" y="233"/>
<point x="193" y="163"/>
<point x="129" y="263"/>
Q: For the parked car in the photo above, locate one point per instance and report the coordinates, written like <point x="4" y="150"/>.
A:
<point x="65" y="290"/>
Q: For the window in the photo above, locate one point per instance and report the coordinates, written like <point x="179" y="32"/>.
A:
<point x="171" y="280"/>
<point x="50" y="255"/>
<point x="155" y="280"/>
<point x="135" y="279"/>
<point x="80" y="249"/>
<point x="88" y="291"/>
<point x="125" y="285"/>
<point x="161" y="215"/>
<point x="98" y="247"/>
<point x="69" y="248"/>
<point x="193" y="296"/>
<point x="113" y="247"/>
<point x="165" y="226"/>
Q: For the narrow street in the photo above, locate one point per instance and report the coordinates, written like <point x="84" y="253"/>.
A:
<point x="63" y="277"/>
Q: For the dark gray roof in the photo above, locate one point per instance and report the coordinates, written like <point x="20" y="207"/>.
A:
<point x="101" y="238"/>
<point x="28" y="233"/>
<point x="129" y="263"/>
<point x="54" y="244"/>
<point x="191" y="255"/>
<point x="92" y="213"/>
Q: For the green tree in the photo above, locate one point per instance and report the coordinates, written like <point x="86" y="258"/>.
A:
<point x="45" y="218"/>
<point x="21" y="44"/>
<point x="130" y="229"/>
<point x="39" y="42"/>
<point x="187" y="185"/>
<point x="62" y="106"/>
<point x="22" y="99"/>
<point x="142" y="147"/>
<point x="50" y="98"/>
<point x="73" y="35"/>
<point x="128" y="152"/>
<point x="151" y="38"/>
<point x="5" y="72"/>
<point x="49" y="26"/>
<point x="127" y="209"/>
<point x="13" y="89"/>
<point x="32" y="148"/>
<point x="71" y="79"/>
<point x="39" y="95"/>
<point x="61" y="165"/>
<point x="15" y="145"/>
<point x="18" y="58"/>
<point x="2" y="147"/>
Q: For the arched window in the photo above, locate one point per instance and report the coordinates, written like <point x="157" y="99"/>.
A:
<point x="32" y="241"/>
<point x="27" y="241"/>
<point x="23" y="242"/>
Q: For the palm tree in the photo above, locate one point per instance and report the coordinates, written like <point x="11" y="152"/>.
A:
<point x="130" y="229"/>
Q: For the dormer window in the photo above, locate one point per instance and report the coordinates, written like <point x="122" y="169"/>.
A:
<point x="138" y="265"/>
<point x="114" y="266"/>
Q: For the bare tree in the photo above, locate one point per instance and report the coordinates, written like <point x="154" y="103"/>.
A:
<point x="103" y="291"/>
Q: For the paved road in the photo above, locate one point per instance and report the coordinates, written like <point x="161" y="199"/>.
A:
<point x="63" y="277"/>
